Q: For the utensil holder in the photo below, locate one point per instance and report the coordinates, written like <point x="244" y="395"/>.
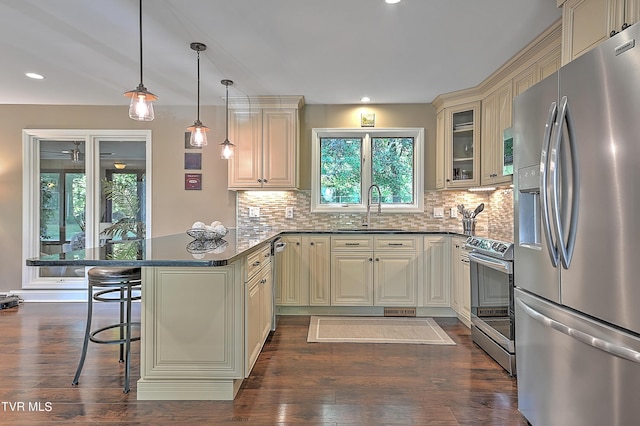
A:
<point x="469" y="226"/>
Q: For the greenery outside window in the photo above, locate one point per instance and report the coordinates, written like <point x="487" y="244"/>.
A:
<point x="346" y="162"/>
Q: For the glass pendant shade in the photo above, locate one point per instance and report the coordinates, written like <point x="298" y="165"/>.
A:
<point x="198" y="134"/>
<point x="226" y="150"/>
<point x="226" y="147"/>
<point x="198" y="130"/>
<point x="141" y="106"/>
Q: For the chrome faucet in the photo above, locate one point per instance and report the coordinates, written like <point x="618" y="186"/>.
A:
<point x="367" y="220"/>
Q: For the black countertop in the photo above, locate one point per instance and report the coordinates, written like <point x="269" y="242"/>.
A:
<point x="182" y="250"/>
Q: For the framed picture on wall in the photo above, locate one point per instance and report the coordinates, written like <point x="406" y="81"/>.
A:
<point x="192" y="160"/>
<point x="367" y="119"/>
<point x="193" y="181"/>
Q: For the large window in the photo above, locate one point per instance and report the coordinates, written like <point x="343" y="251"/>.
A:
<point x="346" y="162"/>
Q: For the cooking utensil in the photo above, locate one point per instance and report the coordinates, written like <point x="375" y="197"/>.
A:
<point x="477" y="211"/>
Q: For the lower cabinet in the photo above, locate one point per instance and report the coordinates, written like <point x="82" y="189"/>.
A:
<point x="374" y="270"/>
<point x="461" y="280"/>
<point x="259" y="305"/>
<point x="352" y="278"/>
<point x="303" y="271"/>
<point x="436" y="289"/>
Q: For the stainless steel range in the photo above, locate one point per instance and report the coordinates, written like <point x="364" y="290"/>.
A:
<point x="492" y="307"/>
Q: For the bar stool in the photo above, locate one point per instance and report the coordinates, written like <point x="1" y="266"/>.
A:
<point x="113" y="284"/>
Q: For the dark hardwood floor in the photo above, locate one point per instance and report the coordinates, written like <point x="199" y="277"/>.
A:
<point x="293" y="382"/>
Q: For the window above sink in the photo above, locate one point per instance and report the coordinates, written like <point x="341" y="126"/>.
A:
<point x="345" y="162"/>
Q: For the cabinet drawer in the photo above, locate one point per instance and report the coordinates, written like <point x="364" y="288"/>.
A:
<point x="395" y="243"/>
<point x="258" y="259"/>
<point x="352" y="243"/>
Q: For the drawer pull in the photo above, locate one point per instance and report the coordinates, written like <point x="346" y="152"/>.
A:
<point x="256" y="263"/>
<point x="395" y="244"/>
<point x="352" y="244"/>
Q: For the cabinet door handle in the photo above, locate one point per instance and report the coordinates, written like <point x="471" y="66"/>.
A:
<point x="370" y="260"/>
<point x="352" y="244"/>
<point x="625" y="26"/>
<point x="259" y="180"/>
<point x="377" y="259"/>
<point x="297" y="243"/>
<point x="612" y="33"/>
<point x="264" y="180"/>
<point x="311" y="243"/>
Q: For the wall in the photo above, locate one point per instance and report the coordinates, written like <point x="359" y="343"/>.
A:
<point x="174" y="209"/>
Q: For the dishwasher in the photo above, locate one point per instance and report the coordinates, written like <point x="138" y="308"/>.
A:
<point x="277" y="247"/>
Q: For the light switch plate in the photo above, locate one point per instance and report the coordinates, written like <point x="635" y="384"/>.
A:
<point x="438" y="212"/>
<point x="254" y="211"/>
<point x="454" y="212"/>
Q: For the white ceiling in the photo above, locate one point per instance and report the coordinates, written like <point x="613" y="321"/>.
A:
<point x="330" y="51"/>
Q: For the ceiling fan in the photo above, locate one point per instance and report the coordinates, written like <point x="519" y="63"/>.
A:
<point x="74" y="154"/>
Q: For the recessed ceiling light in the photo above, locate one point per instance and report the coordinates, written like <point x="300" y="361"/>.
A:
<point x="392" y="1"/>
<point x="365" y="99"/>
<point x="34" y="75"/>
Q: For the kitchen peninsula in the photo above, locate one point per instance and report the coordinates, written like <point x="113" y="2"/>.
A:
<point x="207" y="307"/>
<point x="195" y="325"/>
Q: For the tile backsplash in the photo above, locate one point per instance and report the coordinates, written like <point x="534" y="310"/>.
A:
<point x="496" y="221"/>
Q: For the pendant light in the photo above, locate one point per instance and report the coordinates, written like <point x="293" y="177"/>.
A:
<point x="226" y="147"/>
<point x="198" y="130"/>
<point x="141" y="106"/>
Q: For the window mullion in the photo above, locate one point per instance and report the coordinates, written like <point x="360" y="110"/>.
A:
<point x="366" y="167"/>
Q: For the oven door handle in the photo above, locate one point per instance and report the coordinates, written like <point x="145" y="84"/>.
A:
<point x="497" y="264"/>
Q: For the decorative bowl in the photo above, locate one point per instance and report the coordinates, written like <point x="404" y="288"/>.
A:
<point x="202" y="234"/>
<point x="207" y="246"/>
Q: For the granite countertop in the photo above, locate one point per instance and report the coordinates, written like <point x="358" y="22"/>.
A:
<point x="182" y="250"/>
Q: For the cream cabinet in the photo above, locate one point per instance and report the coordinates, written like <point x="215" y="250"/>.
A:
<point x="461" y="281"/>
<point x="376" y="270"/>
<point x="290" y="288"/>
<point x="352" y="270"/>
<point x="395" y="270"/>
<point x="317" y="266"/>
<point x="259" y="304"/>
<point x="436" y="261"/>
<point x="496" y="117"/>
<point x="587" y="23"/>
<point x="266" y="138"/>
<point x="303" y="271"/>
<point x="440" y="150"/>
<point x="461" y="150"/>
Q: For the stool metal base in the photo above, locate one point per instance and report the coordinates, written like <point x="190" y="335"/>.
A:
<point x="117" y="285"/>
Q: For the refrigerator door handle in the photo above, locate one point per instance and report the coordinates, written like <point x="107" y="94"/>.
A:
<point x="566" y="248"/>
<point x="544" y="183"/>
<point x="596" y="342"/>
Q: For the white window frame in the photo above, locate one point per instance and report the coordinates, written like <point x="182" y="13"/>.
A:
<point x="31" y="195"/>
<point x="366" y="134"/>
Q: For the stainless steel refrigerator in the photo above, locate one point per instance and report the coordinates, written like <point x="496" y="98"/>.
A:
<point x="577" y="224"/>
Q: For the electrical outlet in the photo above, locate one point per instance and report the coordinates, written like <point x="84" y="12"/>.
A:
<point x="438" y="212"/>
<point x="454" y="212"/>
<point x="288" y="212"/>
<point x="254" y="211"/>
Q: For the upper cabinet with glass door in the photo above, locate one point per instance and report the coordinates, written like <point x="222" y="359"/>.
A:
<point x="461" y="143"/>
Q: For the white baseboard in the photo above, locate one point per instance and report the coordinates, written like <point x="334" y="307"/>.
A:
<point x="51" y="295"/>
